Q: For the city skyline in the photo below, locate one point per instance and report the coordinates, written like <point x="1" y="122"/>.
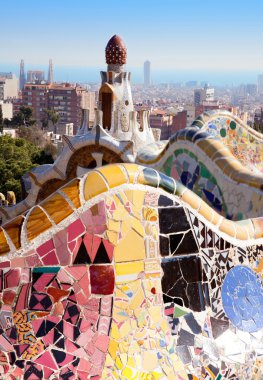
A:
<point x="172" y="35"/>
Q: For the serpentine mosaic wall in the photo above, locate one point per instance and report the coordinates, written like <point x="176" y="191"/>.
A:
<point x="124" y="275"/>
<point x="206" y="163"/>
<point x="243" y="142"/>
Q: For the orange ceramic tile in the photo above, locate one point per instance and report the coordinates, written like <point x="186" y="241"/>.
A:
<point x="258" y="225"/>
<point x="94" y="185"/>
<point x="228" y="227"/>
<point x="37" y="223"/>
<point x="13" y="230"/>
<point x="4" y="247"/>
<point x="206" y="211"/>
<point x="241" y="232"/>
<point x="192" y="199"/>
<point x="114" y="175"/>
<point x="72" y="192"/>
<point x="57" y="207"/>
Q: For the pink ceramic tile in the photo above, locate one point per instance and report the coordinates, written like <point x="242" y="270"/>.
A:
<point x="50" y="258"/>
<point x="63" y="254"/>
<point x="84" y="326"/>
<point x="84" y="282"/>
<point x="43" y="281"/>
<point x="33" y="261"/>
<point x="85" y="338"/>
<point x="47" y="373"/>
<point x="109" y="249"/>
<point x="84" y="365"/>
<point x="93" y="304"/>
<point x="5" y="345"/>
<point x="75" y="229"/>
<point x="5" y="264"/>
<point x="106" y="306"/>
<point x="12" y="278"/>
<point x="63" y="276"/>
<point x="18" y="262"/>
<point x="25" y="276"/>
<point x="8" y="296"/>
<point x="83" y="297"/>
<point x="58" y="309"/>
<point x="102" y="343"/>
<point x="22" y="300"/>
<point x="46" y="359"/>
<point x="77" y="271"/>
<point x="45" y="248"/>
<point x="70" y="346"/>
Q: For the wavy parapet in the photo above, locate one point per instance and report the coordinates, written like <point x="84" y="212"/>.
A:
<point x="206" y="164"/>
<point x="242" y="141"/>
<point x="126" y="273"/>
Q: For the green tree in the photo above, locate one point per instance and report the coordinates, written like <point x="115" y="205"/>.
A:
<point x="51" y="115"/>
<point x="17" y="157"/>
<point x="24" y="117"/>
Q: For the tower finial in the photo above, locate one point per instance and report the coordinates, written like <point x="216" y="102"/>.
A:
<point x="116" y="51"/>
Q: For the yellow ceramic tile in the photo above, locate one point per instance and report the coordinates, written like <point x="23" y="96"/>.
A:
<point x="130" y="248"/>
<point x="149" y="361"/>
<point x="125" y="329"/>
<point x="130" y="373"/>
<point x="150" y="214"/>
<point x="37" y="223"/>
<point x="155" y="313"/>
<point x="138" y="199"/>
<point x="137" y="226"/>
<point x="72" y="192"/>
<point x="129" y="195"/>
<point x="4" y="247"/>
<point x="112" y="237"/>
<point x="114" y="225"/>
<point x="113" y="348"/>
<point x="137" y="300"/>
<point x="114" y="333"/>
<point x="94" y="185"/>
<point x="57" y="207"/>
<point x="13" y="229"/>
<point x="114" y="175"/>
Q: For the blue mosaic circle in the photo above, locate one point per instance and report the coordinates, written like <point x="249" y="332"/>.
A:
<point x="242" y="296"/>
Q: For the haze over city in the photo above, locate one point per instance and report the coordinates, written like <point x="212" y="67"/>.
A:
<point x="206" y="41"/>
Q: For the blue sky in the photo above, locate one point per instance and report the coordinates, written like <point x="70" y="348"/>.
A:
<point x="173" y="34"/>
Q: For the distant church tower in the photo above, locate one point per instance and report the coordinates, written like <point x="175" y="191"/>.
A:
<point x="22" y="78"/>
<point x="50" y="72"/>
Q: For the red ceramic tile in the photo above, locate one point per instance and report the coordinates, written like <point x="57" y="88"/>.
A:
<point x="75" y="229"/>
<point x="9" y="296"/>
<point x="50" y="259"/>
<point x="45" y="248"/>
<point x="102" y="279"/>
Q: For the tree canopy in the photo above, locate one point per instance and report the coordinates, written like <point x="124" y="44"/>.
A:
<point x="17" y="157"/>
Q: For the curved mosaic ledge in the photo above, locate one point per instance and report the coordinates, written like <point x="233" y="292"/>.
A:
<point x="119" y="274"/>
<point x="212" y="167"/>
<point x="63" y="203"/>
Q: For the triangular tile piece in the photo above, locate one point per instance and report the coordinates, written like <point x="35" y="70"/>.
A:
<point x="95" y="246"/>
<point x="109" y="248"/>
<point x="88" y="238"/>
<point x="82" y="255"/>
<point x="102" y="256"/>
<point x="20" y="348"/>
